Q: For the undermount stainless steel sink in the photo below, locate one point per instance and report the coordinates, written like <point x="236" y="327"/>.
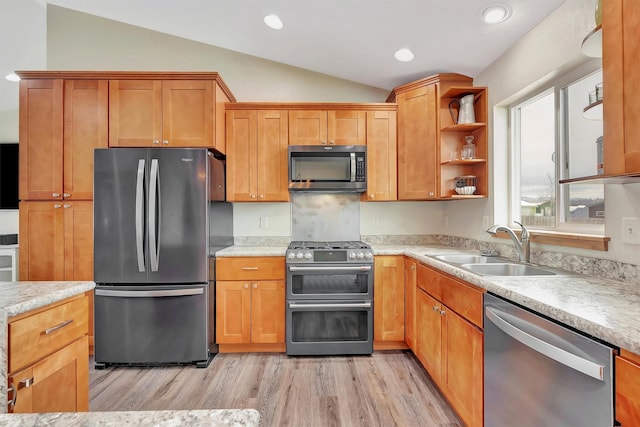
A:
<point x="469" y="259"/>
<point x="508" y="269"/>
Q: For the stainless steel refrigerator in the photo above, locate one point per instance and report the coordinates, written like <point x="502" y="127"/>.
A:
<point x="159" y="215"/>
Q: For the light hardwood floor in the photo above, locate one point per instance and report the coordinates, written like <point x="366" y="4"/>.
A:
<point x="386" y="389"/>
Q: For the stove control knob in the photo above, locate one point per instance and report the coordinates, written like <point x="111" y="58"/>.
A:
<point x="308" y="255"/>
<point x="352" y="255"/>
<point x="299" y="255"/>
<point x="360" y="255"/>
<point x="368" y="255"/>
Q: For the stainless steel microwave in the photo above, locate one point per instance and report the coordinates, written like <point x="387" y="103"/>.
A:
<point x="330" y="168"/>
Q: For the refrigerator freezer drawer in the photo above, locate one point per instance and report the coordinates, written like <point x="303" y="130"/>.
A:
<point x="151" y="324"/>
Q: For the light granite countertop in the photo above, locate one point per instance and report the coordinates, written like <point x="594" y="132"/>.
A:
<point x="200" y="417"/>
<point x="604" y="308"/>
<point x="20" y="297"/>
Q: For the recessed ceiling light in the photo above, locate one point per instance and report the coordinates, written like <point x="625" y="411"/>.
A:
<point x="496" y="14"/>
<point x="404" y="55"/>
<point x="273" y="21"/>
<point x="12" y="77"/>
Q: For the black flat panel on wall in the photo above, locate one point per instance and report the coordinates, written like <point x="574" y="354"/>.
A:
<point x="8" y="176"/>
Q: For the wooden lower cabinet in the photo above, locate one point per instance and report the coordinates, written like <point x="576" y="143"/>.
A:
<point x="627" y="389"/>
<point x="448" y="342"/>
<point x="410" y="303"/>
<point x="49" y="371"/>
<point x="250" y="304"/>
<point x="388" y="300"/>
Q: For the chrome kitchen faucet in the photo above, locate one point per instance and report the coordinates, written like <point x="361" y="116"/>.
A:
<point x="523" y="244"/>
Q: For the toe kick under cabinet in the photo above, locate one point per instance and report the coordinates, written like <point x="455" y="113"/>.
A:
<point x="49" y="358"/>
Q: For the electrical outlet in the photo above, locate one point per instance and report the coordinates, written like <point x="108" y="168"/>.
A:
<point x="264" y="222"/>
<point x="485" y="223"/>
<point x="631" y="231"/>
<point x="375" y="222"/>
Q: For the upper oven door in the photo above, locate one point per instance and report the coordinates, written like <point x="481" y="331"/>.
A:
<point x="330" y="281"/>
<point x="329" y="168"/>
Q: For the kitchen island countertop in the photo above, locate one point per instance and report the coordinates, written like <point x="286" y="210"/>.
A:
<point x="603" y="308"/>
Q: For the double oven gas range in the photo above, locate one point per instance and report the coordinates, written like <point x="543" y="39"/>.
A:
<point x="329" y="308"/>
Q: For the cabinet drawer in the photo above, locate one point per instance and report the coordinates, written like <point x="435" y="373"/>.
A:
<point x="33" y="337"/>
<point x="464" y="299"/>
<point x="429" y="281"/>
<point x="250" y="268"/>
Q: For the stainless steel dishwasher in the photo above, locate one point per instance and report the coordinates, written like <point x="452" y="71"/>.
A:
<point x="540" y="373"/>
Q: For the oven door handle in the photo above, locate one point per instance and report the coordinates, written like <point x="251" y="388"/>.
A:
<point x="330" y="269"/>
<point x="333" y="305"/>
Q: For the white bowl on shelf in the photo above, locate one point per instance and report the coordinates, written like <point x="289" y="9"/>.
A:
<point x="467" y="190"/>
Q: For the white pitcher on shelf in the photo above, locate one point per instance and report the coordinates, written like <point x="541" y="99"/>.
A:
<point x="466" y="113"/>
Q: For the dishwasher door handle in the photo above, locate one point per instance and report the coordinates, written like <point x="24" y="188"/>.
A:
<point x="571" y="360"/>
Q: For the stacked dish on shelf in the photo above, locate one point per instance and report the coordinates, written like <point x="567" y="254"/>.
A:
<point x="465" y="185"/>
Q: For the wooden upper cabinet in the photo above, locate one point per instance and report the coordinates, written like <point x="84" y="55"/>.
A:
<point x="86" y="118"/>
<point x="327" y="127"/>
<point x="257" y="167"/>
<point x="167" y="113"/>
<point x="417" y="125"/>
<point x="41" y="139"/>
<point x="61" y="122"/>
<point x="621" y="76"/>
<point x="382" y="184"/>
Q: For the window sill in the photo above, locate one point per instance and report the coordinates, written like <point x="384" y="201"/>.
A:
<point x="582" y="241"/>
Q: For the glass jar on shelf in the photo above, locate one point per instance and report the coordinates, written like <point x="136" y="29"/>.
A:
<point x="469" y="149"/>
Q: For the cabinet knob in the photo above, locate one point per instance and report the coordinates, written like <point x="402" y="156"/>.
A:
<point x="324" y="142"/>
<point x="262" y="196"/>
<point x="442" y="312"/>
<point x="66" y="206"/>
<point x="255" y="286"/>
<point x="253" y="196"/>
<point x="246" y="286"/>
<point x="436" y="308"/>
<point x="57" y="206"/>
<point x="27" y="382"/>
<point x="155" y="141"/>
<point x="372" y="196"/>
<point x="165" y="141"/>
<point x="331" y="141"/>
<point x="413" y="268"/>
<point x="431" y="194"/>
<point x="65" y="195"/>
<point x="55" y="194"/>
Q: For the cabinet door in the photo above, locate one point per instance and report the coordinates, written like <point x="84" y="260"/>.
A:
<point x="628" y="390"/>
<point x="78" y="240"/>
<point x="346" y="127"/>
<point x="267" y="312"/>
<point x="307" y="127"/>
<point x="429" y="334"/>
<point x="272" y="161"/>
<point x="382" y="174"/>
<point x="86" y="126"/>
<point x="41" y="241"/>
<point x="58" y="383"/>
<point x="233" y="312"/>
<point x="410" y="288"/>
<point x="187" y="113"/>
<point x="388" y="296"/>
<point x="135" y="113"/>
<point x="40" y="140"/>
<point x="242" y="159"/>
<point x="462" y="364"/>
<point x="417" y="132"/>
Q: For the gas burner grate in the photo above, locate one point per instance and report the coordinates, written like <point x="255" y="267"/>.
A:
<point x="328" y="245"/>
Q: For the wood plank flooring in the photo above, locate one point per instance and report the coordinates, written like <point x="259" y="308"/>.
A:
<point x="389" y="388"/>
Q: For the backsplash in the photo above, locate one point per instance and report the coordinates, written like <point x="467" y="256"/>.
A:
<point x="325" y="217"/>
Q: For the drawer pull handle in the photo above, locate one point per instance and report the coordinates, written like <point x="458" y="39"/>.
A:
<point x="59" y="326"/>
<point x="26" y="383"/>
<point x="250" y="268"/>
<point x="12" y="389"/>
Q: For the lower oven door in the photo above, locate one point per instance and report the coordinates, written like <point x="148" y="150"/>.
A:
<point x="329" y="327"/>
<point x="330" y="281"/>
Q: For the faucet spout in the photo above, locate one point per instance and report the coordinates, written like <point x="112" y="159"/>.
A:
<point x="522" y="245"/>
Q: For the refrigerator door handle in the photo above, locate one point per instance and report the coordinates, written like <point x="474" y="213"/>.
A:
<point x="148" y="294"/>
<point x="154" y="215"/>
<point x="139" y="214"/>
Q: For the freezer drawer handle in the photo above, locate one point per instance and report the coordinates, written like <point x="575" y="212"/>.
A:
<point x="139" y="211"/>
<point x="337" y="305"/>
<point x="577" y="363"/>
<point x="148" y="294"/>
<point x="58" y="326"/>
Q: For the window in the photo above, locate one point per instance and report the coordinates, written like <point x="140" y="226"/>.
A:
<point x="553" y="140"/>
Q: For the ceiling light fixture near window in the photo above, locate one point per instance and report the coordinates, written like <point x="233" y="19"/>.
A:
<point x="273" y="21"/>
<point x="12" y="77"/>
<point x="404" y="55"/>
<point x="496" y="14"/>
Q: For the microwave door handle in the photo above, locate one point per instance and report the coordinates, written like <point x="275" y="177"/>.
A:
<point x="353" y="166"/>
